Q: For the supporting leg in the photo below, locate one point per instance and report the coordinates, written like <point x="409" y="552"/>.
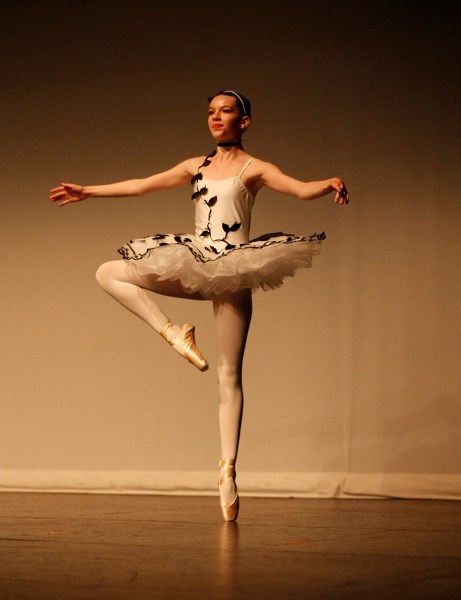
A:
<point x="232" y="316"/>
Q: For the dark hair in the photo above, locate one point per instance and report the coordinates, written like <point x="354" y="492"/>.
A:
<point x="243" y="103"/>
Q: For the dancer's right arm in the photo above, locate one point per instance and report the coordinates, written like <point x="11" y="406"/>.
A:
<point x="178" y="175"/>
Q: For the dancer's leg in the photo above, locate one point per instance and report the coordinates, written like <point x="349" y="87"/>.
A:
<point x="127" y="286"/>
<point x="232" y="317"/>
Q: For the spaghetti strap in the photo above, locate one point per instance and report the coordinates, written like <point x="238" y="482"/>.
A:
<point x="244" y="167"/>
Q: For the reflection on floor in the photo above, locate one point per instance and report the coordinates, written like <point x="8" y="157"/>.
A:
<point x="98" y="547"/>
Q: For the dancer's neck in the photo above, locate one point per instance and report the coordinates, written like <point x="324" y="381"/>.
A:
<point x="228" y="144"/>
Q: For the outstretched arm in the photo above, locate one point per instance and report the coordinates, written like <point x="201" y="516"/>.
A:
<point x="178" y="175"/>
<point x="272" y="177"/>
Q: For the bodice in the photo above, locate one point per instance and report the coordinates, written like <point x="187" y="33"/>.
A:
<point x="223" y="212"/>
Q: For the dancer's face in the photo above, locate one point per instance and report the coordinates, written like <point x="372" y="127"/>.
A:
<point x="225" y="120"/>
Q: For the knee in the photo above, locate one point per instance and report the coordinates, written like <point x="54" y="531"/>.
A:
<point x="104" y="274"/>
<point x="229" y="376"/>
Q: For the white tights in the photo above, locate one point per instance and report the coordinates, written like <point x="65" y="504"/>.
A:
<point x="232" y="313"/>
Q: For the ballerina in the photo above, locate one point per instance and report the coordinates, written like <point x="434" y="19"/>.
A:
<point x="217" y="262"/>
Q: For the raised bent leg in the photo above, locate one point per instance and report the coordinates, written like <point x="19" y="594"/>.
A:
<point x="128" y="287"/>
<point x="232" y="317"/>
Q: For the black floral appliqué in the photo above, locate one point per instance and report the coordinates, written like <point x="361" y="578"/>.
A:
<point x="199" y="194"/>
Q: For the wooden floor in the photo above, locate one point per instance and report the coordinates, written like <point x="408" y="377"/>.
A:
<point x="85" y="547"/>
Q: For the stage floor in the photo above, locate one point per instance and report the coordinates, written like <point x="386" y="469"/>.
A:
<point x="98" y="547"/>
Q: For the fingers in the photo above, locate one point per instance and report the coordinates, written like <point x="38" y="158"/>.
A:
<point x="61" y="200"/>
<point x="56" y="190"/>
<point x="65" y="193"/>
<point x="58" y="194"/>
<point x="342" y="194"/>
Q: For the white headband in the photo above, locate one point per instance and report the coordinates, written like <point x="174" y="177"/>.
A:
<point x="239" y="97"/>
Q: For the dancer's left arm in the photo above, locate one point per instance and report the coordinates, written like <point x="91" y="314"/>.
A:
<point x="271" y="176"/>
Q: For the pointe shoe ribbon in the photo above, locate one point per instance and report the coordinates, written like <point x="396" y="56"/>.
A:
<point x="185" y="345"/>
<point x="229" y="511"/>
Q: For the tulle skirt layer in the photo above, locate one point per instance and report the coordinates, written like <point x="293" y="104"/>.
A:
<point x="210" y="269"/>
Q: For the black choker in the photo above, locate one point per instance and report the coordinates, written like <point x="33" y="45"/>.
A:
<point x="227" y="144"/>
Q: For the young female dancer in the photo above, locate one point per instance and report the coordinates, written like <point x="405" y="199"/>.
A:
<point x="217" y="262"/>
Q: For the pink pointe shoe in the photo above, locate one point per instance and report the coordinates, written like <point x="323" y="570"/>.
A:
<point x="229" y="511"/>
<point x="185" y="345"/>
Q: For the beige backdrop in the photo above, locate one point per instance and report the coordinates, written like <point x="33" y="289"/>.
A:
<point x="352" y="371"/>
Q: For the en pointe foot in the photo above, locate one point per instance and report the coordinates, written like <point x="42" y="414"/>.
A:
<point x="229" y="509"/>
<point x="182" y="339"/>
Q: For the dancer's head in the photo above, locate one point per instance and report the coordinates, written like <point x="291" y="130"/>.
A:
<point x="229" y="115"/>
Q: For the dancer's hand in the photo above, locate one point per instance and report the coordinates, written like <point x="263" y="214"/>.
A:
<point x="67" y="193"/>
<point x="342" y="195"/>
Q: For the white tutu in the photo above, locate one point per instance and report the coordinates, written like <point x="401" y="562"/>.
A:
<point x="261" y="263"/>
